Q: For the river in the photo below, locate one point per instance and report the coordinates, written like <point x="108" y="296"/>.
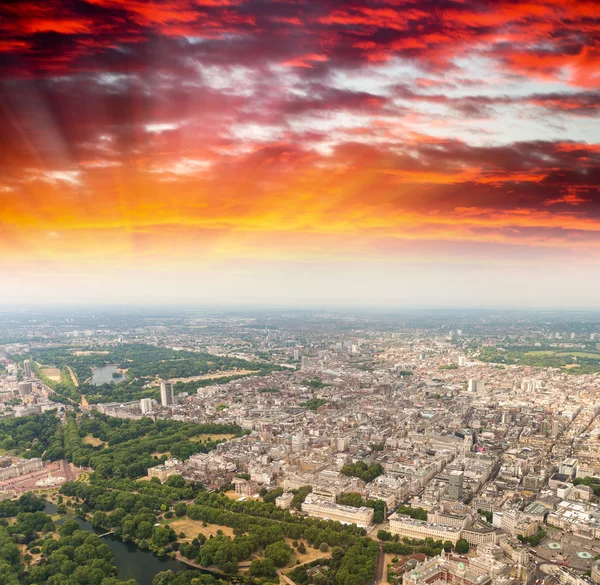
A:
<point x="132" y="562"/>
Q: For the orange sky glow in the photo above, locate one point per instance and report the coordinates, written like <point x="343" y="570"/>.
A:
<point x="280" y="150"/>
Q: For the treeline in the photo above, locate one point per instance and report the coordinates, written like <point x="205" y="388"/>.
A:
<point x="535" y="539"/>
<point x="355" y="566"/>
<point x="130" y="444"/>
<point x="593" y="482"/>
<point x="363" y="471"/>
<point x="143" y="364"/>
<point x="29" y="436"/>
<point x="186" y="578"/>
<point x="64" y="390"/>
<point x="314" y="403"/>
<point x="416" y="513"/>
<point x="66" y="555"/>
<point x="26" y="503"/>
<point x="534" y="356"/>
<point x="261" y="526"/>
<point x="134" y="510"/>
<point x="393" y="544"/>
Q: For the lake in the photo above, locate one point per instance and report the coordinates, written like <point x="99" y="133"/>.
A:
<point x="132" y="562"/>
<point x="105" y="374"/>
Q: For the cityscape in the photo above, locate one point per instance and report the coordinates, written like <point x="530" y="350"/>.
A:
<point x="299" y="292"/>
<point x="450" y="445"/>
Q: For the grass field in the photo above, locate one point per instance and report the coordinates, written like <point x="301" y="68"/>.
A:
<point x="203" y="438"/>
<point x="581" y="354"/>
<point x="89" y="440"/>
<point x="191" y="528"/>
<point x="52" y="374"/>
<point x="217" y="374"/>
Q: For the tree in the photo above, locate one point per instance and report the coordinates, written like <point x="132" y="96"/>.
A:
<point x="384" y="535"/>
<point x="180" y="509"/>
<point x="300" y="495"/>
<point x="144" y="530"/>
<point x="279" y="552"/>
<point x="462" y="546"/>
<point x="68" y="527"/>
<point x="272" y="495"/>
<point x="262" y="568"/>
<point x="161" y="536"/>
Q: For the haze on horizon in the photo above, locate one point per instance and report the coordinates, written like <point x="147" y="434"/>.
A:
<point x="314" y="153"/>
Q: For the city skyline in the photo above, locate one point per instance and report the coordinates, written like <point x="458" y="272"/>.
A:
<point x="230" y="152"/>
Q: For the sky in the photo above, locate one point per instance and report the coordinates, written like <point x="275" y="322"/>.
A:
<point x="300" y="152"/>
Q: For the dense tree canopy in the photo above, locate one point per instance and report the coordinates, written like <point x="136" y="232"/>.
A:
<point x="363" y="471"/>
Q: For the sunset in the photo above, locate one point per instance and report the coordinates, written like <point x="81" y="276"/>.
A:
<point x="299" y="292"/>
<point x="227" y="151"/>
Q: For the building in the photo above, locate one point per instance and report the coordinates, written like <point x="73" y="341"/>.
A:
<point x="146" y="405"/>
<point x="343" y="443"/>
<point x="318" y="508"/>
<point x="596" y="572"/>
<point x="455" y="484"/>
<point x="27" y="368"/>
<point x="555" y="427"/>
<point x="25" y="388"/>
<point x="15" y="466"/>
<point x="404" y="525"/>
<point x="163" y="472"/>
<point x="568" y="467"/>
<point x="443" y="570"/>
<point x="462" y="360"/>
<point x="166" y="393"/>
<point x="515" y="550"/>
<point x="476" y="386"/>
<point x="284" y="501"/>
<point x="436" y="516"/>
<point x="246" y="488"/>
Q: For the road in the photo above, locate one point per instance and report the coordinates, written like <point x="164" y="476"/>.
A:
<point x="73" y="377"/>
<point x="69" y="475"/>
<point x="379" y="575"/>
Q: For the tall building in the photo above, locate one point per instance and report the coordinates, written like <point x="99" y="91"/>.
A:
<point x="555" y="427"/>
<point x="455" y="485"/>
<point x="297" y="442"/>
<point x="476" y="385"/>
<point x="25" y="388"/>
<point x="166" y="393"/>
<point x="27" y="368"/>
<point x="146" y="405"/>
<point x="462" y="360"/>
<point x="343" y="443"/>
